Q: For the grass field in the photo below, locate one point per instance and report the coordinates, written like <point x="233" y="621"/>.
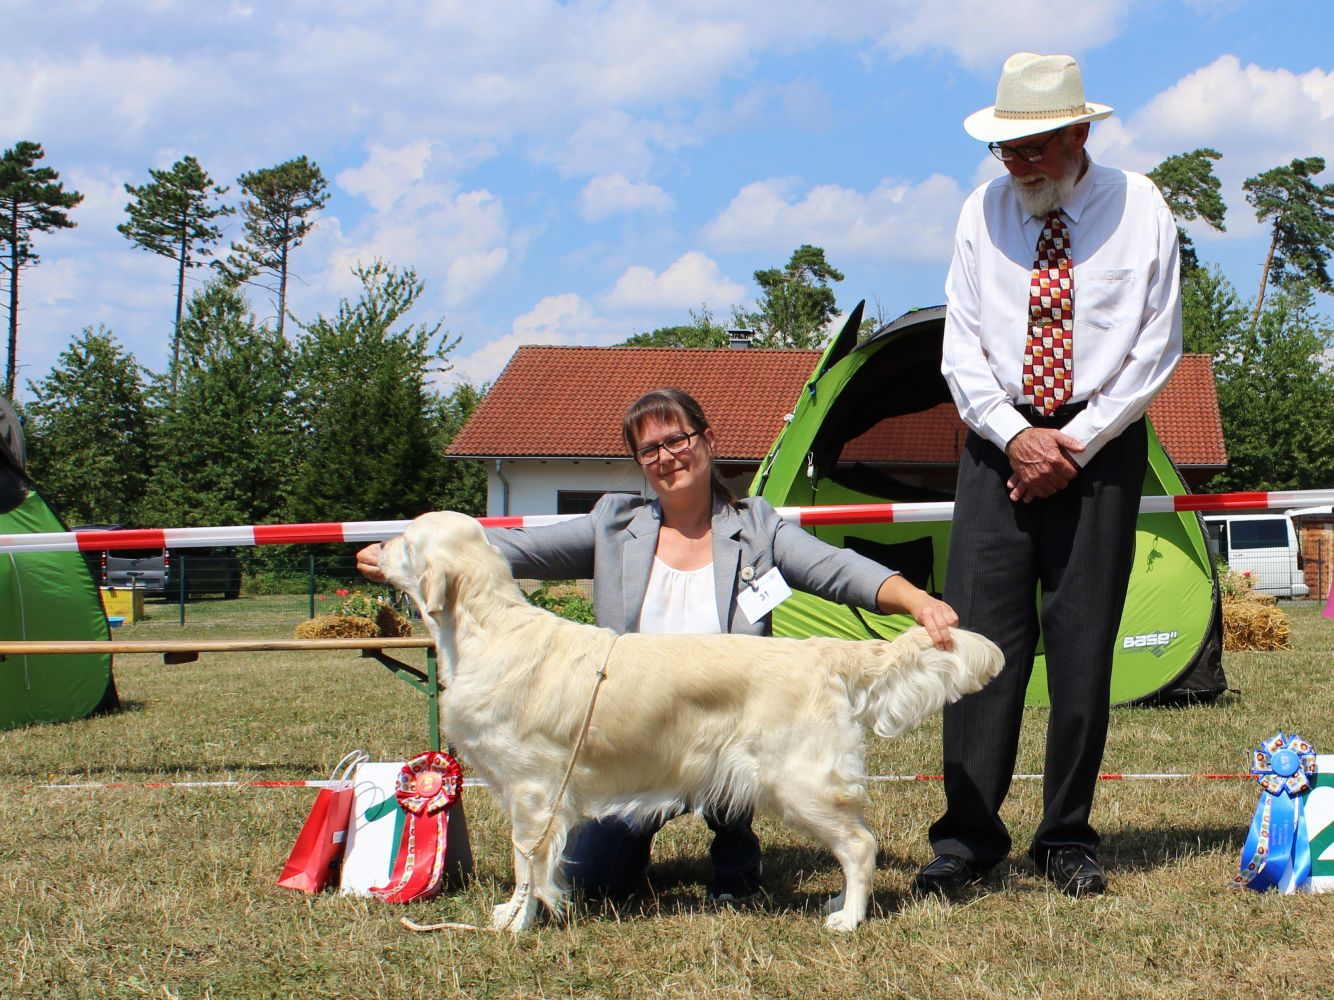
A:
<point x="169" y="892"/>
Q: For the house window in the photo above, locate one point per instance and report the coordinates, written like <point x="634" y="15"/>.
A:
<point x="576" y="501"/>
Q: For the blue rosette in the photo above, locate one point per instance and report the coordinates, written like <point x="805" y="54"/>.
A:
<point x="1277" y="853"/>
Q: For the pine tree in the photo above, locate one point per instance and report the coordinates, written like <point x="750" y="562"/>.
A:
<point x="279" y="210"/>
<point x="797" y="304"/>
<point x="1191" y="189"/>
<point x="174" y="216"/>
<point x="1301" y="213"/>
<point x="32" y="200"/>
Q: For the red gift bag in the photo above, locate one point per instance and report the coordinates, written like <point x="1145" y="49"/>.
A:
<point x="319" y="846"/>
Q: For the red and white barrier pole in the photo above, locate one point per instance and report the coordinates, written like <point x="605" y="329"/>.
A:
<point x="375" y="531"/>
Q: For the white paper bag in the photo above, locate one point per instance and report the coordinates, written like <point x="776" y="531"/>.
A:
<point x="1319" y="809"/>
<point x="373" y="829"/>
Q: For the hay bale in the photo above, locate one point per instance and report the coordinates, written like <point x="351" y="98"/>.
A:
<point x="1255" y="625"/>
<point x="391" y="624"/>
<point x="338" y="627"/>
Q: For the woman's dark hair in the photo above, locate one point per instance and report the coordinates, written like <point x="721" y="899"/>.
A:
<point x="671" y="405"/>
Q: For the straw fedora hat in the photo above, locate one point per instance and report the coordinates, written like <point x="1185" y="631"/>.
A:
<point x="1035" y="94"/>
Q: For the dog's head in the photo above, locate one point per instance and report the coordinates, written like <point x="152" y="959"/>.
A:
<point x="427" y="561"/>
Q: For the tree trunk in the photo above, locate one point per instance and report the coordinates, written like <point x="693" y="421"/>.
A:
<point x="282" y="289"/>
<point x="1264" y="279"/>
<point x="11" y="365"/>
<point x="180" y="301"/>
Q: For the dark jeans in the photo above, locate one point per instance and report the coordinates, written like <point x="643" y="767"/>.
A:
<point x="610" y="857"/>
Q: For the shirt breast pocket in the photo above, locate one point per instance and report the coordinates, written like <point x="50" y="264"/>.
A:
<point x="1106" y="298"/>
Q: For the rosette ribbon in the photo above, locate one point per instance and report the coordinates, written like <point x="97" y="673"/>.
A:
<point x="427" y="786"/>
<point x="1277" y="853"/>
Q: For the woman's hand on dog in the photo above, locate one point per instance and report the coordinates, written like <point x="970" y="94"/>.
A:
<point x="368" y="563"/>
<point x="898" y="596"/>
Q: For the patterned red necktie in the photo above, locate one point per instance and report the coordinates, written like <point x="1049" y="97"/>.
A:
<point x="1048" y="356"/>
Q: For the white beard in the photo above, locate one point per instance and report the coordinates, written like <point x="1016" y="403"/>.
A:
<point x="1040" y="195"/>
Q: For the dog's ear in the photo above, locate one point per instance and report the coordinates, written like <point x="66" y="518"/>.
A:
<point x="437" y="588"/>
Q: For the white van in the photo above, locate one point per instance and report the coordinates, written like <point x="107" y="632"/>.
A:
<point x="1264" y="545"/>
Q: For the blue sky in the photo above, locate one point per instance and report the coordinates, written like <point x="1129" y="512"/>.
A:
<point x="573" y="173"/>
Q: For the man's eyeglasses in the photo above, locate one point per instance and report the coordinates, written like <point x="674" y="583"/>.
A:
<point x="1029" y="154"/>
<point x="674" y="445"/>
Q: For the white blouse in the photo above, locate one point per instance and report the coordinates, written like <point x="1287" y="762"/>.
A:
<point x="679" y="602"/>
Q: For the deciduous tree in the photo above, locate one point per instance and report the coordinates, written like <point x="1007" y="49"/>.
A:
<point x="1212" y="316"/>
<point x="226" y="434"/>
<point x="174" y="215"/>
<point x="365" y="405"/>
<point x="279" y="212"/>
<point x="89" y="432"/>
<point x="460" y="485"/>
<point x="1275" y="384"/>
<point x="32" y="200"/>
<point x="701" y="331"/>
<point x="1301" y="217"/>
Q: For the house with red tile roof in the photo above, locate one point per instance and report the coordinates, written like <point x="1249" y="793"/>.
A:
<point x="549" y="428"/>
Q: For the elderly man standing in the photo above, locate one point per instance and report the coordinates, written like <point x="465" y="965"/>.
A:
<point x="1064" y="321"/>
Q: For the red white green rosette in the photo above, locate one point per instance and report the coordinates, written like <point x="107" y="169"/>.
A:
<point x="427" y="786"/>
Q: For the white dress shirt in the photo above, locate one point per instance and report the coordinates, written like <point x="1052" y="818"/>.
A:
<point x="1127" y="332"/>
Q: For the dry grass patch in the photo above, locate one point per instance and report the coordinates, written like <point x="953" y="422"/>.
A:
<point x="140" y="892"/>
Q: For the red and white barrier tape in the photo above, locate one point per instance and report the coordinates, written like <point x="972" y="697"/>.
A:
<point x="479" y="783"/>
<point x="375" y="531"/>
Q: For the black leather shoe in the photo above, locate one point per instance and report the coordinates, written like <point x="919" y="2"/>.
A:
<point x="1075" y="871"/>
<point x="946" y="872"/>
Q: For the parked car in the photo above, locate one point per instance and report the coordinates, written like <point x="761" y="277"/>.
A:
<point x="158" y="572"/>
<point x="1264" y="545"/>
<point x="92" y="556"/>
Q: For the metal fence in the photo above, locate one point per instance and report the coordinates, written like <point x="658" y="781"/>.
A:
<point x="201" y="597"/>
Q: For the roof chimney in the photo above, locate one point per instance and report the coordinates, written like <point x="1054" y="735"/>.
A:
<point x="739" y="340"/>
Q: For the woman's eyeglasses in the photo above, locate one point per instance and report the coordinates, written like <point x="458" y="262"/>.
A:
<point x="674" y="445"/>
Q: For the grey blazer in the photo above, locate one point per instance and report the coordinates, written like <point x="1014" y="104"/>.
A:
<point x="615" y="543"/>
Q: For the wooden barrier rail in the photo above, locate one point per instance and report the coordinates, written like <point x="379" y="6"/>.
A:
<point x="176" y="651"/>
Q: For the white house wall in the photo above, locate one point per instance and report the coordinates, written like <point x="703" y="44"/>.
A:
<point x="534" y="483"/>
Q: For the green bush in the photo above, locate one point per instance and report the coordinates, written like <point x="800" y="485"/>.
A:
<point x="561" y="597"/>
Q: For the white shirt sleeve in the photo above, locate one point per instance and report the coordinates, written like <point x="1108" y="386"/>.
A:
<point x="1152" y="357"/>
<point x="983" y="402"/>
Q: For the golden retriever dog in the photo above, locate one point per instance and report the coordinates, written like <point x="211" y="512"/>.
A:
<point x="724" y="721"/>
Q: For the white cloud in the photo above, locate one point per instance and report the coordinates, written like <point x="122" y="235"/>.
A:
<point x="1265" y="116"/>
<point x="895" y="221"/>
<point x="567" y="318"/>
<point x="1257" y="117"/>
<point x="467" y="276"/>
<point x="982" y="33"/>
<point x="690" y="280"/>
<point x="612" y="139"/>
<point x="388" y="173"/>
<point x="422" y="222"/>
<point x="611" y="194"/>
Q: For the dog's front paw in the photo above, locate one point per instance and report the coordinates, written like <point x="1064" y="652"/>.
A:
<point x="512" y="916"/>
<point x="841" y="921"/>
<point x="835" y="903"/>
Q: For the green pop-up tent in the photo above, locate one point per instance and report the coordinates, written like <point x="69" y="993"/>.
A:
<point x="868" y="428"/>
<point x="44" y="596"/>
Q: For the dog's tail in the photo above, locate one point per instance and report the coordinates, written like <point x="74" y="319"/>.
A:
<point x="893" y="686"/>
